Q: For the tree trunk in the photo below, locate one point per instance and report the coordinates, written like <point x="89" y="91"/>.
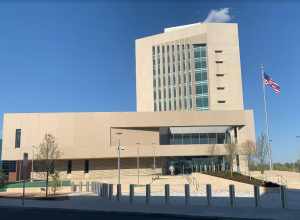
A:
<point x="47" y="181"/>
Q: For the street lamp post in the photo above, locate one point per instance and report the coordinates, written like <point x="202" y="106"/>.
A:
<point x="119" y="158"/>
<point x="138" y="162"/>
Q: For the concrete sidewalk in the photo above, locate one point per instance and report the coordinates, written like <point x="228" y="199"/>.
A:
<point x="91" y="202"/>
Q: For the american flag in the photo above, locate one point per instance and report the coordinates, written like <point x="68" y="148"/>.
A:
<point x="269" y="82"/>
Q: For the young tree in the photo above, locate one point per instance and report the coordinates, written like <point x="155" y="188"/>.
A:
<point x="262" y="151"/>
<point x="231" y="152"/>
<point x="249" y="149"/>
<point x="48" y="152"/>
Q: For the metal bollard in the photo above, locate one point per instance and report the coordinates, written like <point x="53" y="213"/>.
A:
<point x="256" y="196"/>
<point x="148" y="193"/>
<point x="119" y="192"/>
<point x="167" y="193"/>
<point x="131" y="193"/>
<point x="87" y="186"/>
<point x="187" y="193"/>
<point x="98" y="189"/>
<point x="232" y="196"/>
<point x="283" y="197"/>
<point x="102" y="189"/>
<point x="72" y="187"/>
<point x="80" y="186"/>
<point x="110" y="191"/>
<point x="106" y="190"/>
<point x="208" y="194"/>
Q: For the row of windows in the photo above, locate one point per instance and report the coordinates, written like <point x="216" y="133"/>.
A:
<point x="183" y="47"/>
<point x="172" y="92"/>
<point x="171" y="80"/>
<point x="203" y="138"/>
<point x="167" y="105"/>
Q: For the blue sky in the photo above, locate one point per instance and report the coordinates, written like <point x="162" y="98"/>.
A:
<point x="63" y="56"/>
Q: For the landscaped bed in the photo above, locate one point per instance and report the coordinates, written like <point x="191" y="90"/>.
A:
<point x="33" y="184"/>
<point x="242" y="178"/>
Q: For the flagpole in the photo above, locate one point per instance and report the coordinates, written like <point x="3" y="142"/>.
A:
<point x="266" y="118"/>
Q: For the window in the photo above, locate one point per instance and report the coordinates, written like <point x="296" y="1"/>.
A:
<point x="169" y="93"/>
<point x="86" y="166"/>
<point x="170" y="105"/>
<point x="18" y="138"/>
<point x="174" y="92"/>
<point x="155" y="107"/>
<point x="200" y="75"/>
<point x="221" y="101"/>
<point x="212" y="138"/>
<point x="159" y="94"/>
<point x="203" y="138"/>
<point x="218" y="51"/>
<point x="219" y="61"/>
<point x="197" y="138"/>
<point x="219" y="75"/>
<point x="154" y="95"/>
<point x="220" y="88"/>
<point x="186" y="138"/>
<point x="201" y="89"/>
<point x="69" y="168"/>
<point x="202" y="103"/>
<point x="221" y="138"/>
<point x="154" y="83"/>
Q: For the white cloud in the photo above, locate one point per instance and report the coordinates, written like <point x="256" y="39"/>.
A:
<point x="222" y="15"/>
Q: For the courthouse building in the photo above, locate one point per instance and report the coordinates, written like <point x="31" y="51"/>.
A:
<point x="189" y="106"/>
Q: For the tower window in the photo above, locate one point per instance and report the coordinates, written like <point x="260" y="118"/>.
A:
<point x="18" y="138"/>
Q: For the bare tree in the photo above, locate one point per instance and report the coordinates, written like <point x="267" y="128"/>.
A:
<point x="48" y="152"/>
<point x="249" y="149"/>
<point x="231" y="152"/>
<point x="262" y="151"/>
